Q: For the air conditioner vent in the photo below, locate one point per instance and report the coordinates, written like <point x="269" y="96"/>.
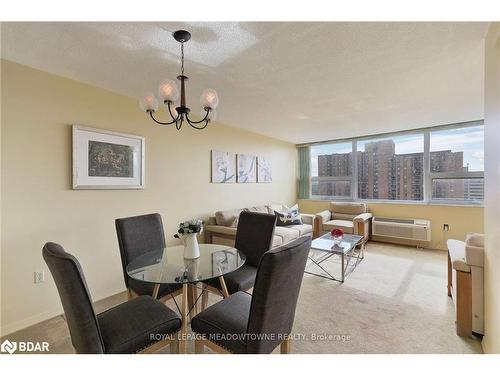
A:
<point x="408" y="229"/>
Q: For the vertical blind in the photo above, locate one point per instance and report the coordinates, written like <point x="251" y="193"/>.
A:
<point x="304" y="172"/>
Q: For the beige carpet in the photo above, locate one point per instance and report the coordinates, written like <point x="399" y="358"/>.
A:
<point x="395" y="301"/>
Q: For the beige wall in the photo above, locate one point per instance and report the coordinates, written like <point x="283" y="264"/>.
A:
<point x="462" y="219"/>
<point x="39" y="205"/>
<point x="491" y="341"/>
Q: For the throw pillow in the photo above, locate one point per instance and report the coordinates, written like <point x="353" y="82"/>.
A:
<point x="290" y="216"/>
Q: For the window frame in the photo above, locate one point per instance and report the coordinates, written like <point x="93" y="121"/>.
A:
<point x="428" y="176"/>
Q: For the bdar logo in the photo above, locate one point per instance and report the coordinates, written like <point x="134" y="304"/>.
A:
<point x="8" y="346"/>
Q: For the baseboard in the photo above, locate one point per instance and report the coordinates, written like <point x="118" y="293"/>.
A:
<point x="30" y="321"/>
<point x="39" y="318"/>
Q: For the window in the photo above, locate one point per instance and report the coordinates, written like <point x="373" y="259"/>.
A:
<point x="391" y="168"/>
<point x="331" y="170"/>
<point x="457" y="164"/>
<point x="442" y="164"/>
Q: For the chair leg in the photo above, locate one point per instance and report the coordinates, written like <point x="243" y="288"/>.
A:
<point x="204" y="299"/>
<point x="285" y="346"/>
<point x="199" y="348"/>
<point x="450" y="273"/>
<point x="223" y="287"/>
<point x="174" y="346"/>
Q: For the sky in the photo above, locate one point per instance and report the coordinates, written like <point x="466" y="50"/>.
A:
<point x="468" y="140"/>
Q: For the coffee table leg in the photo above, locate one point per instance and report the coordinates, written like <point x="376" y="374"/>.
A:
<point x="343" y="268"/>
<point x="184" y="312"/>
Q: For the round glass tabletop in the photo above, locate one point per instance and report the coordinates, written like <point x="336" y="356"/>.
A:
<point x="168" y="266"/>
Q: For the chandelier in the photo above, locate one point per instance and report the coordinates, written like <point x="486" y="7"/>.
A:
<point x="168" y="94"/>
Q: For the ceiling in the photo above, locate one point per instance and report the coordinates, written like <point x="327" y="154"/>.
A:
<point x="299" y="82"/>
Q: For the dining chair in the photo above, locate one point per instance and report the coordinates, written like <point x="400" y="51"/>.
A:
<point x="141" y="325"/>
<point x="136" y="236"/>
<point x="257" y="323"/>
<point x="254" y="236"/>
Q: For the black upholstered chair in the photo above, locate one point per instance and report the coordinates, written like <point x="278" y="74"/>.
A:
<point x="136" y="236"/>
<point x="258" y="323"/>
<point x="254" y="236"/>
<point x="141" y="325"/>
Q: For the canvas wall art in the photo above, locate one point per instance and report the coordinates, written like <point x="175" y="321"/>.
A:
<point x="223" y="167"/>
<point x="104" y="159"/>
<point x="247" y="168"/>
<point x="264" y="170"/>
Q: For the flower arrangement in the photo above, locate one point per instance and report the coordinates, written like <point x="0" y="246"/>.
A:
<point x="194" y="226"/>
<point x="337" y="235"/>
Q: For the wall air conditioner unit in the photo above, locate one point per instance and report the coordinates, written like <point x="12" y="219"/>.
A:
<point x="408" y="229"/>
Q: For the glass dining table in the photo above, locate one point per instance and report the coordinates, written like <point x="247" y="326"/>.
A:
<point x="168" y="266"/>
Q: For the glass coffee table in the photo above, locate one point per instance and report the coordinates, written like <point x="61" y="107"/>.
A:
<point x="349" y="250"/>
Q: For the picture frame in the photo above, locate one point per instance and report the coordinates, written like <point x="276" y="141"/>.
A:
<point x="223" y="167"/>
<point x="264" y="171"/>
<point x="246" y="168"/>
<point x="104" y="159"/>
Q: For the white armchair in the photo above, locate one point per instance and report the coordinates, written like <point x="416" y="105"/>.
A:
<point x="352" y="218"/>
<point x="465" y="283"/>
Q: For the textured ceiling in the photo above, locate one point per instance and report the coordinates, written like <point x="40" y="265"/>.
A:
<point x="299" y="82"/>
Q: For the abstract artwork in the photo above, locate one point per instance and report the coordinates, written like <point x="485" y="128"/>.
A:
<point x="247" y="168"/>
<point x="223" y="167"/>
<point x="110" y="160"/>
<point x="264" y="170"/>
<point x="104" y="159"/>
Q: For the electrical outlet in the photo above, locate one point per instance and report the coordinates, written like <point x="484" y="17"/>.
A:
<point x="38" y="277"/>
<point x="446" y="227"/>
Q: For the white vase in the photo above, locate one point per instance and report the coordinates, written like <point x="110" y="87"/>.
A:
<point x="191" y="248"/>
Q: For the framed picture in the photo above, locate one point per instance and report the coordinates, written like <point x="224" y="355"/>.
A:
<point x="223" y="167"/>
<point x="247" y="168"/>
<point x="104" y="159"/>
<point x="263" y="170"/>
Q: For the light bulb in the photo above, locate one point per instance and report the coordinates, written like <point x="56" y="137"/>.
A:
<point x="167" y="91"/>
<point x="209" y="98"/>
<point x="149" y="103"/>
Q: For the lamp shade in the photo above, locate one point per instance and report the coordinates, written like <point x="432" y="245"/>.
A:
<point x="209" y="98"/>
<point x="167" y="91"/>
<point x="149" y="103"/>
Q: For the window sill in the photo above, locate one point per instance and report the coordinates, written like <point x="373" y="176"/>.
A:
<point x="381" y="201"/>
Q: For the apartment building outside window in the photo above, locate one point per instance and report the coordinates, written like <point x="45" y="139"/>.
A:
<point x="442" y="165"/>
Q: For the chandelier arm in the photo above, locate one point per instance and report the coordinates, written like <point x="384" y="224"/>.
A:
<point x="178" y="123"/>
<point x="160" y="122"/>
<point x="198" y="122"/>
<point x="175" y="119"/>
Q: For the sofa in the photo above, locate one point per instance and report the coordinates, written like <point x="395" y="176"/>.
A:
<point x="221" y="228"/>
<point x="465" y="283"/>
<point x="351" y="217"/>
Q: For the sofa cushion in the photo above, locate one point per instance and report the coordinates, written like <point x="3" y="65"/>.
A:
<point x="337" y="216"/>
<point x="456" y="250"/>
<point x="474" y="249"/>
<point x="228" y="218"/>
<point x="303" y="229"/>
<point x="346" y="225"/>
<point x="286" y="234"/>
<point x="262" y="209"/>
<point x="350" y="208"/>
<point x="275" y="207"/>
<point x="221" y="229"/>
<point x="277" y="240"/>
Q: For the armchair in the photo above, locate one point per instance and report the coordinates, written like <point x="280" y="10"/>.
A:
<point x="465" y="283"/>
<point x="352" y="218"/>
